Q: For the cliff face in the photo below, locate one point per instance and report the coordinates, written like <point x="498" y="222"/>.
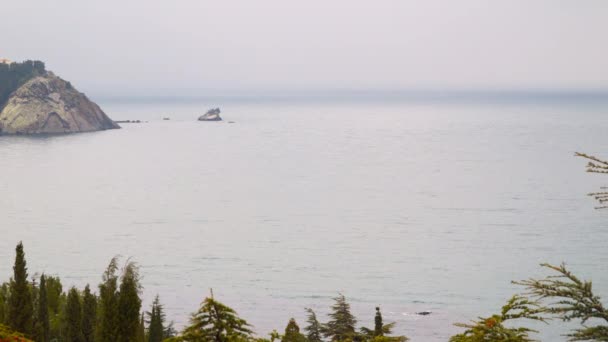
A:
<point x="49" y="105"/>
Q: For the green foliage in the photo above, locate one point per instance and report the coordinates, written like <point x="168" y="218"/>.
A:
<point x="292" y="333"/>
<point x="141" y="330"/>
<point x="389" y="339"/>
<point x="54" y="290"/>
<point x="169" y="331"/>
<point x="21" y="307"/>
<point x="89" y="314"/>
<point x="108" y="296"/>
<point x="342" y="323"/>
<point x="274" y="336"/>
<point x="73" y="317"/>
<point x="129" y="304"/>
<point x="575" y="300"/>
<point x="215" y="322"/>
<point x="4" y="294"/>
<point x="156" y="318"/>
<point x="13" y="76"/>
<point x="56" y="303"/>
<point x="7" y="334"/>
<point x="381" y="331"/>
<point x="43" y="329"/>
<point x="313" y="329"/>
<point x="115" y="315"/>
<point x="493" y="328"/>
<point x="378" y="326"/>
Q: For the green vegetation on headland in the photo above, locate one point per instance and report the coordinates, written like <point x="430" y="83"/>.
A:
<point x="14" y="75"/>
<point x="35" y="101"/>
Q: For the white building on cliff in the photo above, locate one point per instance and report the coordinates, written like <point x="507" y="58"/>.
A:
<point x="5" y="61"/>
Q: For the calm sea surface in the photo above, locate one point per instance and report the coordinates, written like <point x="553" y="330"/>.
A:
<point x="412" y="207"/>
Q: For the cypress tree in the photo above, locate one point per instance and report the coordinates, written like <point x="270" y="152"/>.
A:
<point x="108" y="296"/>
<point x="21" y="307"/>
<point x="381" y="330"/>
<point x="313" y="329"/>
<point x="156" y="329"/>
<point x="42" y="314"/>
<point x="89" y="314"/>
<point x="56" y="300"/>
<point x="152" y="330"/>
<point x="342" y="324"/>
<point x="34" y="290"/>
<point x="378" y="323"/>
<point x="292" y="333"/>
<point x="129" y="304"/>
<point x="54" y="291"/>
<point x="73" y="317"/>
<point x="141" y="330"/>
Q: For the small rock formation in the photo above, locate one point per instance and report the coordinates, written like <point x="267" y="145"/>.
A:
<point x="47" y="104"/>
<point x="211" y="115"/>
<point x="128" y="121"/>
<point x="423" y="313"/>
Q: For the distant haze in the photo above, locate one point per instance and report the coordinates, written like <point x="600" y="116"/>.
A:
<point x="192" y="47"/>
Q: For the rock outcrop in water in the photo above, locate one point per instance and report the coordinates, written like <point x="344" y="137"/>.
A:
<point x="47" y="104"/>
<point x="211" y="115"/>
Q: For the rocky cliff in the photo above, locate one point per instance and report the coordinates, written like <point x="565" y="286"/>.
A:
<point x="49" y="105"/>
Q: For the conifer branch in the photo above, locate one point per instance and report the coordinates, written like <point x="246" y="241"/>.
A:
<point x="574" y="299"/>
<point x="493" y="328"/>
<point x="592" y="158"/>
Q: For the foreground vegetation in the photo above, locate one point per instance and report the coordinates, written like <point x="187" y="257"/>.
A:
<point x="41" y="310"/>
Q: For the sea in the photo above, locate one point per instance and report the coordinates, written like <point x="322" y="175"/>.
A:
<point x="431" y="204"/>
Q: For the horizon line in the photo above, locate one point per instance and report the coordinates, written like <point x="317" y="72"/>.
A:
<point x="585" y="95"/>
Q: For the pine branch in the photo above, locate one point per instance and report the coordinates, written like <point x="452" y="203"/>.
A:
<point x="574" y="299"/>
<point x="593" y="158"/>
<point x="493" y="328"/>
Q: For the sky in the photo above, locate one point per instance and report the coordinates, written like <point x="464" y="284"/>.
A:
<point x="171" y="47"/>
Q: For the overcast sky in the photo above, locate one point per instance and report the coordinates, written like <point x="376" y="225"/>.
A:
<point x="224" y="47"/>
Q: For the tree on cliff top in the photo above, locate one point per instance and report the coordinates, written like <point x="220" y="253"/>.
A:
<point x="14" y="75"/>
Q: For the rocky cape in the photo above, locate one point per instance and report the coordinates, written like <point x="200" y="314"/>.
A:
<point x="47" y="104"/>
